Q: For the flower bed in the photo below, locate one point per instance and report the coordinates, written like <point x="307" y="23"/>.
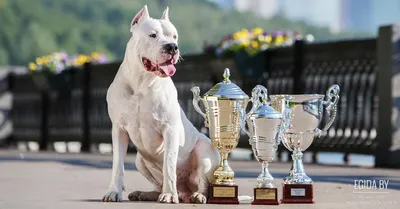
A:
<point x="61" y="61"/>
<point x="245" y="47"/>
<point x="56" y="71"/>
<point x="253" y="41"/>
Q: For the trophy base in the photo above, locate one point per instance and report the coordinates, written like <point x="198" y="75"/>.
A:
<point x="297" y="193"/>
<point x="223" y="194"/>
<point x="265" y="196"/>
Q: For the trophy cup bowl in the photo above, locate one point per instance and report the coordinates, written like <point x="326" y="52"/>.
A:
<point x="225" y="106"/>
<point x="265" y="128"/>
<point x="306" y="111"/>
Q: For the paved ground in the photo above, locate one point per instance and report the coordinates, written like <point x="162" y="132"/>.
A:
<point x="58" y="181"/>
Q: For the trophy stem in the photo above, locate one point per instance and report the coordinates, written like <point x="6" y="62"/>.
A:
<point x="224" y="174"/>
<point x="265" y="179"/>
<point x="297" y="158"/>
<point x="264" y="167"/>
<point x="297" y="174"/>
<point x="224" y="160"/>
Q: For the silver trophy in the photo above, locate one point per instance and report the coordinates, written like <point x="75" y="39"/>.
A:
<point x="265" y="129"/>
<point x="306" y="111"/>
<point x="305" y="117"/>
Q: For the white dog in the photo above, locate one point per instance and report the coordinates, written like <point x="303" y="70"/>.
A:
<point x="143" y="106"/>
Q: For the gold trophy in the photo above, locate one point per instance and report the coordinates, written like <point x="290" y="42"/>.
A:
<point x="225" y="105"/>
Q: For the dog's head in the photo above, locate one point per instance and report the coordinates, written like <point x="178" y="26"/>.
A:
<point x="156" y="43"/>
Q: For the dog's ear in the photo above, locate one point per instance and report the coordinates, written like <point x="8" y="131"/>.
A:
<point x="165" y="15"/>
<point x="143" y="14"/>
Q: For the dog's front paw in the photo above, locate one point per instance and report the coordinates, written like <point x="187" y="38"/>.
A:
<point x="168" y="198"/>
<point x="112" y="196"/>
<point x="198" y="198"/>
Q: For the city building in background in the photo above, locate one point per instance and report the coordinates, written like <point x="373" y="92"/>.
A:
<point x="367" y="15"/>
<point x="261" y="8"/>
<point x="337" y="15"/>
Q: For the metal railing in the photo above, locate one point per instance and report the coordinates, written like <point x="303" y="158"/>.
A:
<point x="358" y="66"/>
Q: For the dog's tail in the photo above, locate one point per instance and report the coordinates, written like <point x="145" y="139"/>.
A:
<point x="245" y="198"/>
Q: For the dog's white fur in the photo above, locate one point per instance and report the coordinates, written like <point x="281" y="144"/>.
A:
<point x="143" y="107"/>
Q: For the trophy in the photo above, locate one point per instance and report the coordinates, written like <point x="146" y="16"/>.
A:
<point x="305" y="118"/>
<point x="266" y="127"/>
<point x="225" y="106"/>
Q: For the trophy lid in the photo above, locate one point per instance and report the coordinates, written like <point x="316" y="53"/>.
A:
<point x="226" y="89"/>
<point x="266" y="111"/>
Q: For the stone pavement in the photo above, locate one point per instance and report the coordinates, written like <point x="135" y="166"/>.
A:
<point x="58" y="181"/>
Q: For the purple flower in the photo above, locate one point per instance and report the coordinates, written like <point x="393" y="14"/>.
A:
<point x="279" y="33"/>
<point x="103" y="59"/>
<point x="59" y="68"/>
<point x="63" y="55"/>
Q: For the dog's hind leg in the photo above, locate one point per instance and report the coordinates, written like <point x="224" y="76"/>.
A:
<point x="207" y="161"/>
<point x="120" y="141"/>
<point x="144" y="170"/>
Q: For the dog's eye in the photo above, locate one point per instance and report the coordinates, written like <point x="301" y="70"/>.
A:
<point x="153" y="35"/>
<point x="174" y="36"/>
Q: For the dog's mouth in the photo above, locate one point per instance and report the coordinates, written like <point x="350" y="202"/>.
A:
<point x="163" y="70"/>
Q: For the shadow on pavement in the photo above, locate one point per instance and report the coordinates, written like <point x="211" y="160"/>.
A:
<point x="107" y="164"/>
<point x="344" y="179"/>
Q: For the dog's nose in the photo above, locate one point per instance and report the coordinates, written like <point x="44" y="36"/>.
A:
<point x="171" y="48"/>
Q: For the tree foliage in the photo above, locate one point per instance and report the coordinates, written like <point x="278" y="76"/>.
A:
<point x="32" y="28"/>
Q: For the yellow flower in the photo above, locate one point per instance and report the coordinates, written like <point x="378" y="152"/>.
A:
<point x="239" y="35"/>
<point x="244" y="33"/>
<point x="57" y="56"/>
<point x="236" y="35"/>
<point x="43" y="60"/>
<point x="279" y="40"/>
<point x="95" y="55"/>
<point x="32" y="66"/>
<point x="268" y="39"/>
<point x="46" y="59"/>
<point x="39" y="61"/>
<point x="81" y="60"/>
<point x="246" y="43"/>
<point x="255" y="44"/>
<point x="86" y="58"/>
<point x="257" y="31"/>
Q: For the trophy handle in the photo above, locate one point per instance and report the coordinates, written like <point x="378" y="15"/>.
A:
<point x="196" y="100"/>
<point x="285" y="124"/>
<point x="243" y="117"/>
<point x="332" y="95"/>
<point x="255" y="95"/>
<point x="259" y="91"/>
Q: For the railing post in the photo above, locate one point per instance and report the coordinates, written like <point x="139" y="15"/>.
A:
<point x="315" y="157"/>
<point x="9" y="87"/>
<point x="388" y="87"/>
<point x="44" y="128"/>
<point x="346" y="158"/>
<point x="85" y="108"/>
<point x="267" y="68"/>
<point x="298" y="85"/>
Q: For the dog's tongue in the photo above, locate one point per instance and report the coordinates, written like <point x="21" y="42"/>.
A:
<point x="168" y="68"/>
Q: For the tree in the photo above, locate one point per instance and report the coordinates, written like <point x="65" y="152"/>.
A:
<point x="31" y="28"/>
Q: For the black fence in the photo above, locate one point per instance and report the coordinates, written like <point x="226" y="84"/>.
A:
<point x="368" y="72"/>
